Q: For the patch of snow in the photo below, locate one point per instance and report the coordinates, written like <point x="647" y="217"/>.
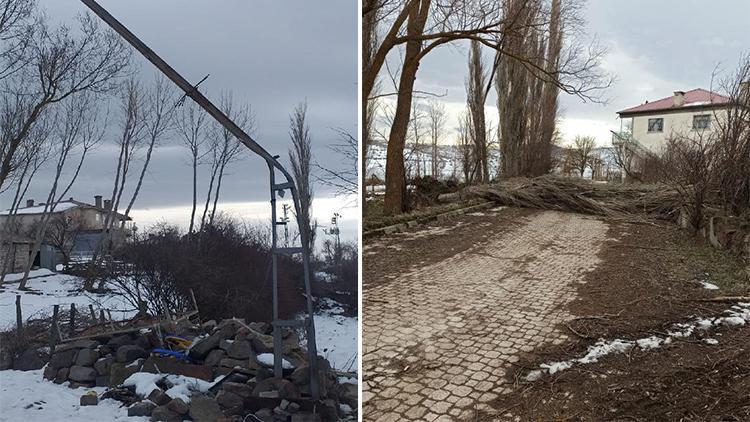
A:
<point x="324" y="276"/>
<point x="348" y="380"/>
<point x="61" y="206"/>
<point x="709" y="286"/>
<point x="49" y="289"/>
<point x="266" y="359"/>
<point x="27" y="397"/>
<point x="737" y="315"/>
<point x="181" y="386"/>
<point x="649" y="342"/>
<point x="337" y="337"/>
<point x="345" y="408"/>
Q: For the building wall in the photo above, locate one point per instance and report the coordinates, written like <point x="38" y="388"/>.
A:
<point x="674" y="123"/>
<point x="17" y="254"/>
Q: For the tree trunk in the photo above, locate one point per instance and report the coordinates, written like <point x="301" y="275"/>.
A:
<point x="395" y="171"/>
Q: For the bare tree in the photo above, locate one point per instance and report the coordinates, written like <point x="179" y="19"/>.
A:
<point x="416" y="136"/>
<point x="436" y="120"/>
<point x="344" y="179"/>
<point x="733" y="141"/>
<point x="157" y="122"/>
<point x="61" y="234"/>
<point x="582" y="153"/>
<point x="130" y="140"/>
<point x="300" y="156"/>
<point x="61" y="62"/>
<point x="423" y="25"/>
<point x="190" y="125"/>
<point x="687" y="164"/>
<point x="78" y="131"/>
<point x="16" y="29"/>
<point x="476" y="84"/>
<point x="465" y="147"/>
<point x="225" y="149"/>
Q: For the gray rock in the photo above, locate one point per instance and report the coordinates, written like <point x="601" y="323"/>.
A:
<point x="28" y="360"/>
<point x="159" y="397"/>
<point x="242" y="390"/>
<point x="102" y="381"/>
<point x="306" y="417"/>
<point x="214" y="357"/>
<point x="266" y="415"/>
<point x="228" y="400"/>
<point x="240" y="349"/>
<point x="118" y="373"/>
<point x="178" y="406"/>
<point x="143" y="408"/>
<point x="225" y="344"/>
<point x="204" y="409"/>
<point x="49" y="373"/>
<point x="349" y="394"/>
<point x="62" y="375"/>
<point x="89" y="400"/>
<point x="87" y="357"/>
<point x="231" y="363"/>
<point x="63" y="359"/>
<point x="129" y="353"/>
<point x="201" y="349"/>
<point x="103" y="365"/>
<point x="119" y="341"/>
<point x="78" y="344"/>
<point x="162" y="413"/>
<point x="82" y="373"/>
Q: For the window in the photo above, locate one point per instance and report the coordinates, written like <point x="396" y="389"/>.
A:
<point x="656" y="125"/>
<point x="702" y="121"/>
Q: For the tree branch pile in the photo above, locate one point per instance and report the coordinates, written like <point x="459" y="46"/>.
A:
<point x="582" y="196"/>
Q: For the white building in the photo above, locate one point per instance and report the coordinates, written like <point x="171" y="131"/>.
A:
<point x="645" y="129"/>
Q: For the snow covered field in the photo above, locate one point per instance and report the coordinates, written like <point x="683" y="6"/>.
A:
<point x="25" y="396"/>
<point x="49" y="289"/>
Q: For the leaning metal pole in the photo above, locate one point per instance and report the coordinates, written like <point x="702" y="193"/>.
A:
<point x="275" y="189"/>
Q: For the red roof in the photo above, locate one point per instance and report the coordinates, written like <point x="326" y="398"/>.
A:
<point x="695" y="98"/>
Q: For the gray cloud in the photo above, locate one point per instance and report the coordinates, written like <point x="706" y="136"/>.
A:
<point x="270" y="54"/>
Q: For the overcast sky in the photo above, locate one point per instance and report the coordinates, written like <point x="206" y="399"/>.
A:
<point x="655" y="48"/>
<point x="270" y="54"/>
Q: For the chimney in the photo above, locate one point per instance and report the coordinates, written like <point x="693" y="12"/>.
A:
<point x="107" y="204"/>
<point x="98" y="201"/>
<point x="29" y="202"/>
<point x="678" y="99"/>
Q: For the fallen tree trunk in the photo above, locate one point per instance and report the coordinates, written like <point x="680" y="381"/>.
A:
<point x="581" y="196"/>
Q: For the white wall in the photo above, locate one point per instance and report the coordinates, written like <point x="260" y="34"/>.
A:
<point x="674" y="123"/>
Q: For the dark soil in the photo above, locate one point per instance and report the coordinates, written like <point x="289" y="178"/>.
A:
<point x="386" y="257"/>
<point x="649" y="280"/>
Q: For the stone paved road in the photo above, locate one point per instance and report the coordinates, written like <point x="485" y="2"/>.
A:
<point x="440" y="334"/>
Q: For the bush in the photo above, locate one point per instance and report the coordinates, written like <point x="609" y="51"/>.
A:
<point x="227" y="266"/>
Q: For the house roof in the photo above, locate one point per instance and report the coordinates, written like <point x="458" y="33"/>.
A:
<point x="698" y="97"/>
<point x="62" y="206"/>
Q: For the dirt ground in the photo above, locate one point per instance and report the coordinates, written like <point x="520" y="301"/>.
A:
<point x="457" y="313"/>
<point x="649" y="279"/>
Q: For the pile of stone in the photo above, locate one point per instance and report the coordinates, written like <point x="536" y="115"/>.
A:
<point x="233" y="358"/>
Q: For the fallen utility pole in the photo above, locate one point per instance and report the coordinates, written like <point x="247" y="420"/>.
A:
<point x="275" y="189"/>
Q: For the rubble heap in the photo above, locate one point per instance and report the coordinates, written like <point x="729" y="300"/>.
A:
<point x="226" y="375"/>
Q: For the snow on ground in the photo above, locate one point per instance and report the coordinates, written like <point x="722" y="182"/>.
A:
<point x="266" y="359"/>
<point x="709" y="286"/>
<point x="736" y="315"/>
<point x="49" y="289"/>
<point x="182" y="386"/>
<point x="336" y="336"/>
<point x="25" y="396"/>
